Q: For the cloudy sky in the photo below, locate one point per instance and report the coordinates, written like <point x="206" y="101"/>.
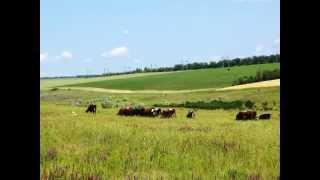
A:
<point x="80" y="37"/>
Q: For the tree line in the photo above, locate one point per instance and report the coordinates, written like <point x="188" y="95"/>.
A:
<point x="260" y="76"/>
<point x="191" y="66"/>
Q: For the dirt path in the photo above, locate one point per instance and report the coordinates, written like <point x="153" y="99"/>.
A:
<point x="270" y="83"/>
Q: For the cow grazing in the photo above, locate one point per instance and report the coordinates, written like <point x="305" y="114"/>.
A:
<point x="92" y="108"/>
<point x="191" y="114"/>
<point x="156" y="111"/>
<point x="138" y="111"/>
<point x="248" y="115"/>
<point x="126" y="111"/>
<point x="148" y="112"/>
<point x="265" y="116"/>
<point x="168" y="113"/>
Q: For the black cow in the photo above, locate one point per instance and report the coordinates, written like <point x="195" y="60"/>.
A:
<point x="92" y="108"/>
<point x="191" y="114"/>
<point x="265" y="116"/>
<point x="156" y="111"/>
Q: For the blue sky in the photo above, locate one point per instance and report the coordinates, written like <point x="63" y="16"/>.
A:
<point x="79" y="37"/>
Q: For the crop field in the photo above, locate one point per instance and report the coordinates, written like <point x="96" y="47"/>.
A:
<point x="193" y="79"/>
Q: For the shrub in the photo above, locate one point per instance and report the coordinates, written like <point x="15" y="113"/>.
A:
<point x="214" y="104"/>
<point x="106" y="104"/>
<point x="249" y="104"/>
<point x="265" y="106"/>
<point x="260" y="76"/>
<point x="54" y="89"/>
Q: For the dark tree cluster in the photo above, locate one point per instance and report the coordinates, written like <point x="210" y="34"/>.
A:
<point x="260" y="76"/>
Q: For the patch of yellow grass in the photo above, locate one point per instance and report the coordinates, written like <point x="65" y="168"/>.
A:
<point x="270" y="83"/>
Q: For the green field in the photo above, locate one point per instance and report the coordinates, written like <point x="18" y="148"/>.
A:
<point x="193" y="79"/>
<point x="76" y="145"/>
<point x="106" y="146"/>
<point x="46" y="84"/>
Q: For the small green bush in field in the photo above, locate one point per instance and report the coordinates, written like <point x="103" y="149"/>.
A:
<point x="265" y="106"/>
<point x="214" y="104"/>
<point x="106" y="104"/>
<point x="249" y="104"/>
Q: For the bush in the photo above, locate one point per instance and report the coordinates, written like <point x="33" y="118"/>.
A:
<point x="214" y="104"/>
<point x="260" y="76"/>
<point x="249" y="104"/>
<point x="265" y="106"/>
<point x="106" y="104"/>
<point x="54" y="89"/>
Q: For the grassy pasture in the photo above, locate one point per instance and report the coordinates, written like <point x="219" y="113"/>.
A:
<point x="46" y="84"/>
<point x="258" y="95"/>
<point x="213" y="146"/>
<point x="193" y="79"/>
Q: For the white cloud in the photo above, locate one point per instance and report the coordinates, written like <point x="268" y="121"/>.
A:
<point x="116" y="52"/>
<point x="259" y="49"/>
<point x="43" y="56"/>
<point x="125" y="32"/>
<point x="66" y="55"/>
<point x="216" y="58"/>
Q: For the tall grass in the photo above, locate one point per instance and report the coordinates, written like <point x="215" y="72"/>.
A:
<point x="106" y="146"/>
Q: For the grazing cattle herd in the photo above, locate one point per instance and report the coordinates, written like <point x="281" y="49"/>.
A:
<point x="171" y="112"/>
<point x="252" y="115"/>
<point x="148" y="112"/>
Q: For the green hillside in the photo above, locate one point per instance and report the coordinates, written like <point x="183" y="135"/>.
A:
<point x="193" y="79"/>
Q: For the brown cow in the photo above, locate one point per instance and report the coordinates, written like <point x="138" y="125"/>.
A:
<point x="148" y="112"/>
<point x="127" y="111"/>
<point x="248" y="115"/>
<point x="168" y="113"/>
